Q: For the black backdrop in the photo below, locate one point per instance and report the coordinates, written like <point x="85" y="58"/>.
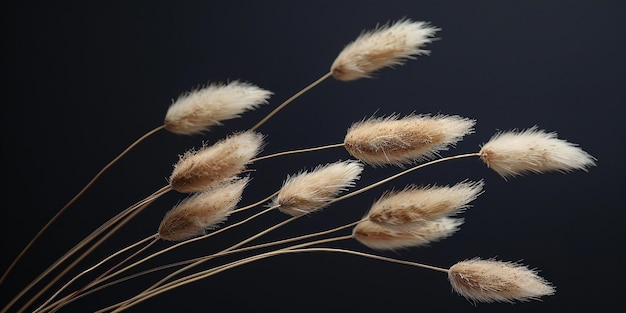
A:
<point x="83" y="80"/>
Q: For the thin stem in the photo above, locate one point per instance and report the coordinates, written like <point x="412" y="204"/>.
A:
<point x="204" y="274"/>
<point x="278" y="242"/>
<point x="91" y="269"/>
<point x="45" y="227"/>
<point x="127" y="214"/>
<point x="307" y="88"/>
<point x="298" y="151"/>
<point x="243" y="242"/>
<point x="376" y="184"/>
<point x="155" y="238"/>
<point x="186" y="242"/>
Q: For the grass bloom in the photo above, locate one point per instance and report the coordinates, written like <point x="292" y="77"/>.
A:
<point x="414" y="205"/>
<point x="199" y="170"/>
<point x="202" y="211"/>
<point x="515" y="153"/>
<point x="385" y="46"/>
<point x="198" y="110"/>
<point x="310" y="191"/>
<point x="400" y="141"/>
<point x="496" y="281"/>
<point x="380" y="237"/>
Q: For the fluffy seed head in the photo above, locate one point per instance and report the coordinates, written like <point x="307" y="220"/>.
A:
<point x="399" y="141"/>
<point x="379" y="237"/>
<point x="385" y="46"/>
<point x="405" y="208"/>
<point x="201" y="211"/>
<point x="496" y="281"/>
<point x="198" y="110"/>
<point x="310" y="191"/>
<point x="516" y="153"/>
<point x="199" y="170"/>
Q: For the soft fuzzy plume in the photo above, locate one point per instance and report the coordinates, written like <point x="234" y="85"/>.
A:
<point x="515" y="153"/>
<point x="489" y="280"/>
<point x="380" y="237"/>
<point x="202" y="211"/>
<point x="198" y="110"/>
<point x="385" y="46"/>
<point x="405" y="208"/>
<point x="399" y="141"/>
<point x="310" y="191"/>
<point x="199" y="170"/>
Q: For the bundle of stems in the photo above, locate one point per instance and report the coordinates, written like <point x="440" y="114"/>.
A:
<point x="215" y="176"/>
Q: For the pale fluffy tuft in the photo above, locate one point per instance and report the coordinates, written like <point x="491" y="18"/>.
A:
<point x="199" y="170"/>
<point x="385" y="46"/>
<point x="405" y="208"/>
<point x="398" y="141"/>
<point x="515" y="153"/>
<point x="381" y="237"/>
<point x="202" y="211"/>
<point x="310" y="191"/>
<point x="496" y="281"/>
<point x="198" y="110"/>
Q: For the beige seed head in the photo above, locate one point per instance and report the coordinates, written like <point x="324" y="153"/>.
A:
<point x="385" y="46"/>
<point x="399" y="141"/>
<point x="310" y="191"/>
<point x="380" y="237"/>
<point x="199" y="170"/>
<point x="496" y="281"/>
<point x="198" y="110"/>
<point x="405" y="208"/>
<point x="516" y="153"/>
<point x="202" y="211"/>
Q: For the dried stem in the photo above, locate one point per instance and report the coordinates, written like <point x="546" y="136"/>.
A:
<point x="82" y="191"/>
<point x="127" y="214"/>
<point x="282" y="105"/>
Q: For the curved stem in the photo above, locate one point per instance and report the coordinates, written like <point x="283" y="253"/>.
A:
<point x="82" y="191"/>
<point x="126" y="215"/>
<point x="307" y="88"/>
<point x="378" y="183"/>
<point x="298" y="151"/>
<point x="91" y="269"/>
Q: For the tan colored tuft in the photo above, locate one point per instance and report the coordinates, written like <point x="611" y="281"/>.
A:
<point x="399" y="141"/>
<point x="310" y="191"/>
<point x="199" y="170"/>
<point x="496" y="281"/>
<point x="385" y="46"/>
<point x="380" y="237"/>
<point x="202" y="211"/>
<point x="405" y="208"/>
<point x="198" y="110"/>
<point x="516" y="153"/>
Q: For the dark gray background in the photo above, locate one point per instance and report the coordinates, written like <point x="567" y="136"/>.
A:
<point x="83" y="80"/>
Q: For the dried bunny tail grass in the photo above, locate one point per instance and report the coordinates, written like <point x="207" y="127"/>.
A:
<point x="202" y="211"/>
<point x="398" y="141"/>
<point x="413" y="205"/>
<point x="379" y="237"/>
<point x="199" y="170"/>
<point x="310" y="191"/>
<point x="386" y="46"/>
<point x="515" y="153"/>
<point x="496" y="281"/>
<point x="198" y="110"/>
